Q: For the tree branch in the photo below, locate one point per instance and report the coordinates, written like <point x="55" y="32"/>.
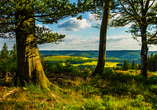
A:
<point x="141" y="2"/>
<point x="125" y="8"/>
<point x="3" y="2"/>
<point x="146" y="6"/>
<point x="52" y="13"/>
<point x="132" y="5"/>
<point x="151" y="4"/>
<point x="152" y="37"/>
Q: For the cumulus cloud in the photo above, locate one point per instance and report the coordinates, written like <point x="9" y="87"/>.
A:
<point x="39" y="25"/>
<point x="91" y="17"/>
<point x="73" y="24"/>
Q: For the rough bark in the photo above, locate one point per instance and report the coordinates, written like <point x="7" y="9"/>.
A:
<point x="144" y="48"/>
<point x="144" y="51"/>
<point x="102" y="41"/>
<point x="29" y="67"/>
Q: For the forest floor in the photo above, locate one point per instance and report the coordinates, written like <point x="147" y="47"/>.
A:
<point x="115" y="90"/>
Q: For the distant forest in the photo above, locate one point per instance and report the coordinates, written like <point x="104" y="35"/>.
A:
<point x="111" y="55"/>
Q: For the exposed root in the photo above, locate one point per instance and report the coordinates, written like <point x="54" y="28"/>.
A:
<point x="9" y="93"/>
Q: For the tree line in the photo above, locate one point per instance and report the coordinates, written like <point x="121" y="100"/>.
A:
<point x="152" y="62"/>
<point x="126" y="65"/>
<point x="8" y="61"/>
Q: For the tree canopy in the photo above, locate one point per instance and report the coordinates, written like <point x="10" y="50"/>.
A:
<point x="142" y="16"/>
<point x="136" y="13"/>
<point x="45" y="11"/>
<point x="17" y="19"/>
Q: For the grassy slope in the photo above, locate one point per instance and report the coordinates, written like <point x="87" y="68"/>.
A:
<point x="119" y="91"/>
<point x="115" y="90"/>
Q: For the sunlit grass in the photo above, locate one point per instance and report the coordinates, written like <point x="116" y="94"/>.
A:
<point x="136" y="72"/>
<point x="107" y="64"/>
<point x="65" y="58"/>
<point x="114" y="90"/>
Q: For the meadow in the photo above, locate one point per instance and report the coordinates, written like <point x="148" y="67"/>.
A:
<point x="77" y="89"/>
<point x="76" y="61"/>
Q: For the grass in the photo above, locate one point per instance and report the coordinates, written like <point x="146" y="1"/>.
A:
<point x="116" y="90"/>
<point x="107" y="64"/>
<point x="64" y="58"/>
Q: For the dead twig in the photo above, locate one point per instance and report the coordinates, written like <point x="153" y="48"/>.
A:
<point x="10" y="92"/>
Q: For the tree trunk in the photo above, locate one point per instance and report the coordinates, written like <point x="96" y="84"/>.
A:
<point x="4" y="74"/>
<point x="29" y="67"/>
<point x="144" y="51"/>
<point x="102" y="41"/>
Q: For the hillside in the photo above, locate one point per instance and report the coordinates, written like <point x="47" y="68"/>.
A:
<point x="111" y="56"/>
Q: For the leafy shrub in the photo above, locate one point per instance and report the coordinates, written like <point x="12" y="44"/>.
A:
<point x="86" y="72"/>
<point x="82" y="67"/>
<point x="69" y="68"/>
<point x="107" y="102"/>
<point x="88" y="90"/>
<point x="153" y="88"/>
<point x="107" y="72"/>
<point x="154" y="104"/>
<point x="93" y="105"/>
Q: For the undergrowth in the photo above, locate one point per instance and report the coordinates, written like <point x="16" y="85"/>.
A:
<point x="114" y="90"/>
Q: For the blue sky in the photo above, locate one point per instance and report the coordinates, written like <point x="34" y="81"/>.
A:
<point x="80" y="35"/>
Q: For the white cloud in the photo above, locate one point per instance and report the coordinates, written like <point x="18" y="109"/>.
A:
<point x="122" y="43"/>
<point x="73" y="24"/>
<point x="91" y="17"/>
<point x="72" y="42"/>
<point x="40" y="25"/>
<point x="47" y="26"/>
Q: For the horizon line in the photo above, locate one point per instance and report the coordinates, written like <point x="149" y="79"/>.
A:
<point x="89" y="50"/>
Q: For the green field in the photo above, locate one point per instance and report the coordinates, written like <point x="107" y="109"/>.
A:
<point x="78" y="60"/>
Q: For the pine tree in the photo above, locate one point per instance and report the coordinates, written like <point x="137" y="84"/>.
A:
<point x="13" y="53"/>
<point x="4" y="53"/>
<point x="125" y="65"/>
<point x="13" y="60"/>
<point x="129" y="65"/>
<point x="4" y="60"/>
<point x="139" y="66"/>
<point x="133" y="65"/>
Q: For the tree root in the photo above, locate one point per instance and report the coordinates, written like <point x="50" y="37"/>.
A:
<point x="9" y="93"/>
